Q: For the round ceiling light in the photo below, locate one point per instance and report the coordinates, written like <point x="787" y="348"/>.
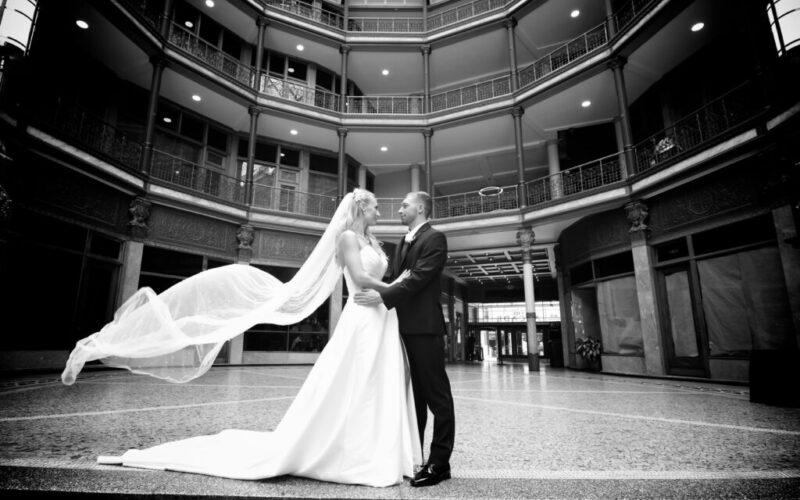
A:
<point x="293" y="131"/>
<point x="300" y="47"/>
<point x="209" y="3"/>
<point x="586" y="103"/>
<point x="575" y="13"/>
<point x="196" y="98"/>
<point x="697" y="27"/>
<point x="385" y="72"/>
<point x="82" y="24"/>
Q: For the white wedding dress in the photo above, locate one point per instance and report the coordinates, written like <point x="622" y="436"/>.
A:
<point x="353" y="420"/>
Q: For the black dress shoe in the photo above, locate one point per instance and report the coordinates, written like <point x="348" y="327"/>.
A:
<point x="431" y="474"/>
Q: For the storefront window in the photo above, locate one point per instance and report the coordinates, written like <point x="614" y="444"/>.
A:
<point x="618" y="314"/>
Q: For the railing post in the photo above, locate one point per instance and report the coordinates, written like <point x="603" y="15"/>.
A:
<point x="152" y="108"/>
<point x="426" y="67"/>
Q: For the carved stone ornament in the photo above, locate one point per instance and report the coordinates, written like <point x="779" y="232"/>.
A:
<point x="525" y="238"/>
<point x="245" y="235"/>
<point x="637" y="215"/>
<point x="140" y="214"/>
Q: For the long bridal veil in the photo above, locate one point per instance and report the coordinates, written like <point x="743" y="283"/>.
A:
<point x="177" y="334"/>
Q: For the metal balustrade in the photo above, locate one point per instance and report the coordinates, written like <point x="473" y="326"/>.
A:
<point x="388" y="207"/>
<point x="630" y="12"/>
<point x="209" y="54"/>
<point x="474" y="202"/>
<point x="308" y="11"/>
<point x="293" y="201"/>
<point x="386" y="24"/>
<point x="706" y="124"/>
<point x="470" y="94"/>
<point x="297" y="92"/>
<point x="463" y="12"/>
<point x="180" y="172"/>
<point x="150" y="10"/>
<point x="579" y="179"/>
<point x="559" y="58"/>
<point x="386" y="105"/>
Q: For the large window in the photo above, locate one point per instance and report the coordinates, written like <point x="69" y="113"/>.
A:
<point x="514" y="312"/>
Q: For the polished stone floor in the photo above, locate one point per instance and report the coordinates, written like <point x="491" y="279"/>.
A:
<point x="556" y="433"/>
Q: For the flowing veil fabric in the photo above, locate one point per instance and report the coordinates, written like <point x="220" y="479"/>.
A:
<point x="176" y="335"/>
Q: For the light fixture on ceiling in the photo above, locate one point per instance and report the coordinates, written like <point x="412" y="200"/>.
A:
<point x="209" y="3"/>
<point x="283" y="154"/>
<point x="586" y="103"/>
<point x="82" y="24"/>
<point x="575" y="13"/>
<point x="167" y="119"/>
<point x="291" y="70"/>
<point x="189" y="24"/>
<point x="385" y="72"/>
<point x="384" y="149"/>
<point x="697" y="27"/>
<point x="300" y="47"/>
<point x="196" y="98"/>
<point x="293" y="131"/>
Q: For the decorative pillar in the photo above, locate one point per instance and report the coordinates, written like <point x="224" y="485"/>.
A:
<point x="152" y="108"/>
<point x="344" y="50"/>
<point x="245" y="236"/>
<point x="342" y="131"/>
<point x="564" y="305"/>
<point x="426" y="68"/>
<point x="509" y="24"/>
<point x="133" y="249"/>
<point x="362" y="176"/>
<point x="427" y="133"/>
<point x="251" y="155"/>
<point x="415" y="177"/>
<point x="616" y="64"/>
<point x="517" y="113"/>
<point x="164" y="22"/>
<point x="643" y="260"/>
<point x="525" y="239"/>
<point x="346" y="15"/>
<point x="554" y="168"/>
<point x="262" y="23"/>
<point x="611" y="26"/>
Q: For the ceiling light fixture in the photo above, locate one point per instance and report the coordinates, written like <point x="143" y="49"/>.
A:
<point x="291" y="70"/>
<point x="384" y="149"/>
<point x="196" y="98"/>
<point x="385" y="72"/>
<point x="167" y="119"/>
<point x="189" y="24"/>
<point x="300" y="47"/>
<point x="209" y="3"/>
<point x="697" y="27"/>
<point x="293" y="131"/>
<point x="586" y="103"/>
<point x="575" y="13"/>
<point x="82" y="24"/>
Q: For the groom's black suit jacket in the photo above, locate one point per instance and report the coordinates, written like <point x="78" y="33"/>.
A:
<point x="417" y="297"/>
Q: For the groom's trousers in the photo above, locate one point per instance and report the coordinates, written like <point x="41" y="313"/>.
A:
<point x="432" y="390"/>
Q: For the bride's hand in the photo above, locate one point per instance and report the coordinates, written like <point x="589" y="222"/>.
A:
<point x="405" y="274"/>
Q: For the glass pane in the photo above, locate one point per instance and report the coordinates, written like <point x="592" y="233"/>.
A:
<point x="679" y="301"/>
<point x="618" y="312"/>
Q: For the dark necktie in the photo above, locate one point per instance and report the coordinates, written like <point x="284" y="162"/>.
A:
<point x="403" y="251"/>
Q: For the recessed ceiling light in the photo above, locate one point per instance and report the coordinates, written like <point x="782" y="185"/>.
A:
<point x="586" y="103"/>
<point x="283" y="154"/>
<point x="385" y="72"/>
<point x="384" y="149"/>
<point x="189" y="24"/>
<point x="196" y="98"/>
<point x="167" y="119"/>
<point x="291" y="70"/>
<point x="209" y="3"/>
<point x="698" y="26"/>
<point x="293" y="132"/>
<point x="300" y="47"/>
<point x="575" y="13"/>
<point x="82" y="24"/>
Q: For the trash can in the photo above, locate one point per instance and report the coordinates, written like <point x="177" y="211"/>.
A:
<point x="773" y="377"/>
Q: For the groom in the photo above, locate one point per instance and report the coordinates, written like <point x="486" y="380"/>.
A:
<point x="423" y="251"/>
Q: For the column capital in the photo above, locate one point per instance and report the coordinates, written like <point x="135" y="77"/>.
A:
<point x="510" y="22"/>
<point x="617" y="62"/>
<point x="414" y="165"/>
<point x="159" y="60"/>
<point x="525" y="239"/>
<point x="637" y="212"/>
<point x="245" y="235"/>
<point x="425" y="49"/>
<point x="139" y="210"/>
<point x="517" y="111"/>
<point x="427" y="132"/>
<point x="262" y="21"/>
<point x="254" y="111"/>
<point x="342" y="131"/>
<point x="344" y="48"/>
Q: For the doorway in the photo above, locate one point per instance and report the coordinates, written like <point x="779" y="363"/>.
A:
<point x="682" y="331"/>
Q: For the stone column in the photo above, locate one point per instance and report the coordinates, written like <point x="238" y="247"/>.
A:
<point x="133" y="249"/>
<point x="426" y="68"/>
<point x="554" y="168"/>
<point x="346" y="15"/>
<point x="525" y="239"/>
<point x="362" y="176"/>
<point x="616" y="64"/>
<point x="610" y="24"/>
<point x="251" y="155"/>
<point x="509" y="24"/>
<point x="342" y="131"/>
<point x="427" y="133"/>
<point x="424" y="16"/>
<point x="517" y="113"/>
<point x="643" y="260"/>
<point x="786" y="229"/>
<point x="564" y="303"/>
<point x="415" y="177"/>
<point x="164" y="22"/>
<point x="262" y="23"/>
<point x="152" y="108"/>
<point x="335" y="307"/>
<point x="344" y="50"/>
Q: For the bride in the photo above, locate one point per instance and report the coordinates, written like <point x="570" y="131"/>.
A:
<point x="353" y="420"/>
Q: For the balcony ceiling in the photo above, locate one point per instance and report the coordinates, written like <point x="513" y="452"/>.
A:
<point x="549" y="25"/>
<point x="406" y="73"/>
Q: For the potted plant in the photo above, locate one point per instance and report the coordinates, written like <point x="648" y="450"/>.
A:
<point x="589" y="349"/>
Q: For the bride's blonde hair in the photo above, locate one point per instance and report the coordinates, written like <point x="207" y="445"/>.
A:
<point x="355" y="218"/>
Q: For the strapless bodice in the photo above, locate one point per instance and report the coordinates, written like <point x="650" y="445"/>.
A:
<point x="374" y="264"/>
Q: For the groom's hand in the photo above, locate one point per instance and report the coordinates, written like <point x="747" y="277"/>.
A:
<point x="368" y="298"/>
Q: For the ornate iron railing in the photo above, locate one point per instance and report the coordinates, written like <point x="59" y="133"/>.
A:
<point x="706" y="124"/>
<point x="388" y="207"/>
<point x="559" y="58"/>
<point x="180" y="172"/>
<point x="384" y="105"/>
<point x="630" y="12"/>
<point x="476" y="92"/>
<point x="386" y="24"/>
<point x="149" y="10"/>
<point x="308" y="11"/>
<point x="212" y="56"/>
<point x="475" y="202"/>
<point x="283" y="199"/>
<point x="579" y="179"/>
<point x="299" y="93"/>
<point x="440" y="19"/>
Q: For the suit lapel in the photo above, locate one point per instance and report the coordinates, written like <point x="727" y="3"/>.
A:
<point x="414" y="243"/>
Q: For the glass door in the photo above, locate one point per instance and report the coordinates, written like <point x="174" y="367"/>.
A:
<point x="681" y="327"/>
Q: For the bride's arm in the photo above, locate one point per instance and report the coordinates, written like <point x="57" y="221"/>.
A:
<point x="349" y="250"/>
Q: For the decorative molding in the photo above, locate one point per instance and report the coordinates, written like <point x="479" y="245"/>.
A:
<point x="83" y="197"/>
<point x="510" y="23"/>
<point x="139" y="210"/>
<point x="425" y="49"/>
<point x="191" y="230"/>
<point x="344" y="49"/>
<point x="637" y="213"/>
<point x="517" y="111"/>
<point x="525" y="239"/>
<point x="427" y="132"/>
<point x="284" y="246"/>
<point x="245" y="236"/>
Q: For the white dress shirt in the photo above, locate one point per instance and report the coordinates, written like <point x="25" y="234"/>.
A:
<point x="413" y="233"/>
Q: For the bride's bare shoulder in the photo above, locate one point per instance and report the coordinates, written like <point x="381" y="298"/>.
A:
<point x="348" y="239"/>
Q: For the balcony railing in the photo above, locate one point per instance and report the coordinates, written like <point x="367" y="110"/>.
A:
<point x="385" y="105"/>
<point x="149" y="10"/>
<point x="559" y="58"/>
<point x="299" y="93"/>
<point x="463" y="12"/>
<point x="388" y="207"/>
<point x="471" y="94"/>
<point x="579" y="179"/>
<point x="210" y="55"/>
<point x="475" y="202"/>
<point x="630" y="12"/>
<point x="308" y="11"/>
<point x="180" y="172"/>
<point x="706" y="124"/>
<point x="283" y="199"/>
<point x="386" y="24"/>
